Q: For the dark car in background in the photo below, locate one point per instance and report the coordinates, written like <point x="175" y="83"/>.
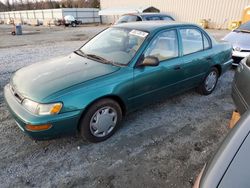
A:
<point x="241" y="86"/>
<point x="230" y="166"/>
<point x="240" y="40"/>
<point x="144" y="17"/>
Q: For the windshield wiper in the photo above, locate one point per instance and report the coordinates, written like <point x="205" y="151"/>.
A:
<point x="80" y="52"/>
<point x="96" y="57"/>
<point x="103" y="60"/>
<point x="242" y="30"/>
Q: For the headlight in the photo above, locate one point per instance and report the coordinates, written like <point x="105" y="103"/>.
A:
<point x="42" y="109"/>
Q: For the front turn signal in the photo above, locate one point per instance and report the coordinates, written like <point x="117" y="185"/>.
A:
<point x="38" y="127"/>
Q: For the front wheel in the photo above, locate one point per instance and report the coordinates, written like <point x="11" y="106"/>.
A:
<point x="209" y="83"/>
<point x="101" y="120"/>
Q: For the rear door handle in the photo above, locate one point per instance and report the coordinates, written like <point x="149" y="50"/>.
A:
<point x="178" y="67"/>
<point x="208" y="58"/>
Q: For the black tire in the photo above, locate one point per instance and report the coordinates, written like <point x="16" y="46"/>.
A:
<point x="85" y="123"/>
<point x="202" y="89"/>
<point x="73" y="24"/>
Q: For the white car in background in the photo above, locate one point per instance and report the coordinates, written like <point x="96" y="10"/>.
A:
<point x="240" y="40"/>
<point x="70" y="20"/>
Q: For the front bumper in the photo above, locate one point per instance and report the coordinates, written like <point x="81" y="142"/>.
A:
<point x="65" y="123"/>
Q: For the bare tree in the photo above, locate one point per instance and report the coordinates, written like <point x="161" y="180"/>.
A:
<point x="28" y="5"/>
<point x="47" y="4"/>
<point x="3" y="7"/>
<point x="8" y="5"/>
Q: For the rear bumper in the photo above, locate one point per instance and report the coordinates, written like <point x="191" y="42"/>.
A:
<point x="65" y="123"/>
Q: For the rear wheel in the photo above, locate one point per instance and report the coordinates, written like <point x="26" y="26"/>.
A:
<point x="210" y="82"/>
<point x="101" y="120"/>
<point x="73" y="24"/>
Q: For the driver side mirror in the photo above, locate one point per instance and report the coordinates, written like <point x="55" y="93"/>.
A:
<point x="150" y="61"/>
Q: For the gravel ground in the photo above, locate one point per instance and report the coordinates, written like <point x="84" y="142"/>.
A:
<point x="162" y="145"/>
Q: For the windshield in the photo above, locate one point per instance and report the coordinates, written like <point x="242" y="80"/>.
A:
<point x="115" y="45"/>
<point x="244" y="27"/>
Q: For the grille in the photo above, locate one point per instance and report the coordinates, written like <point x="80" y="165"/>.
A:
<point x="17" y="96"/>
<point x="237" y="59"/>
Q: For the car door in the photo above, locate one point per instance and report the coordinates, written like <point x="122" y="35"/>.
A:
<point x="153" y="83"/>
<point x="195" y="60"/>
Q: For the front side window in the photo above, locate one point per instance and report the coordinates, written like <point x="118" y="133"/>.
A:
<point x="164" y="46"/>
<point x="117" y="45"/>
<point x="191" y="41"/>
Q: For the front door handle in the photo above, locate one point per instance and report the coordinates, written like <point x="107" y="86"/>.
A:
<point x="178" y="67"/>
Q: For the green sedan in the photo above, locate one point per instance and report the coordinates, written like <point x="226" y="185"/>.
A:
<point x="121" y="69"/>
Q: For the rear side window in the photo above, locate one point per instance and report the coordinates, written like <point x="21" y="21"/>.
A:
<point x="206" y="42"/>
<point x="153" y="18"/>
<point x="164" y="46"/>
<point x="129" y="18"/>
<point x="167" y="18"/>
<point x="192" y="40"/>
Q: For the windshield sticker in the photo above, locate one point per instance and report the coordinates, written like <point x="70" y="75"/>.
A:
<point x="138" y="33"/>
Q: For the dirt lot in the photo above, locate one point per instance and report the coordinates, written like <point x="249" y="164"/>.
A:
<point x="163" y="145"/>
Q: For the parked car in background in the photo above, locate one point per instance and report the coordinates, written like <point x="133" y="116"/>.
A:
<point x="70" y="20"/>
<point x="119" y="70"/>
<point x="230" y="166"/>
<point x="144" y="17"/>
<point x="241" y="86"/>
<point x="240" y="40"/>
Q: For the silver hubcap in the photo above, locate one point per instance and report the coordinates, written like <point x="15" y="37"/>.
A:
<point x="211" y="81"/>
<point x="103" y="121"/>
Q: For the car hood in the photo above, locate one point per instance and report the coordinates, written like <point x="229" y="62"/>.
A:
<point x="238" y="40"/>
<point x="40" y="80"/>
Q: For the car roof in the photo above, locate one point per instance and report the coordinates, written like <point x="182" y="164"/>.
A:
<point x="148" y="14"/>
<point x="150" y="26"/>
